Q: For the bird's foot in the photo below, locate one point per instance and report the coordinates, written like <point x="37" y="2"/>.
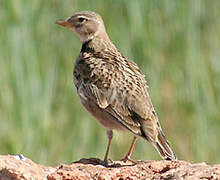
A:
<point x="128" y="159"/>
<point x="108" y="162"/>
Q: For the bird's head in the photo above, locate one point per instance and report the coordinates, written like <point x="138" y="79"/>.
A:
<point x="87" y="25"/>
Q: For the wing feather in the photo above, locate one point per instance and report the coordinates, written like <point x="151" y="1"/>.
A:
<point x="123" y="94"/>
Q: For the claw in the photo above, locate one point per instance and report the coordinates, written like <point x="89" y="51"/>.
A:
<point x="128" y="159"/>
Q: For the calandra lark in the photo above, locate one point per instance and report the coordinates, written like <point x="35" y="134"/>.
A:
<point x="112" y="88"/>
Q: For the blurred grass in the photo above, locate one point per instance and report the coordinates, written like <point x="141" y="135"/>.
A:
<point x="176" y="44"/>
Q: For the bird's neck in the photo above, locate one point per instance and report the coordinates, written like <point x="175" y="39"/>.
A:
<point x="97" y="44"/>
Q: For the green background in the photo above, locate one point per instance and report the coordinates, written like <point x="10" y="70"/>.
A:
<point x="175" y="43"/>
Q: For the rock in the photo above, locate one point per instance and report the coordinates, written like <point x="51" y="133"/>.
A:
<point x="19" y="167"/>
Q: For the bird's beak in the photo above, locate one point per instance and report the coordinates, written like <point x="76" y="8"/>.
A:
<point x="63" y="22"/>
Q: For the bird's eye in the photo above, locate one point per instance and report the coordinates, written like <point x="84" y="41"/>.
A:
<point x="81" y="19"/>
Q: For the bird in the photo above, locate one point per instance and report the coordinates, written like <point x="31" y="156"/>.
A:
<point x="111" y="87"/>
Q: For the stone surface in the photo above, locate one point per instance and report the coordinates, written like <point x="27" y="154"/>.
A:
<point x="19" y="167"/>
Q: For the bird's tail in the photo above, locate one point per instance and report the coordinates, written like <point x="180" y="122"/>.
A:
<point x="163" y="147"/>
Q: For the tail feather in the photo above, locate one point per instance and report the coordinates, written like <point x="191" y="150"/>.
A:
<point x="152" y="132"/>
<point x="163" y="147"/>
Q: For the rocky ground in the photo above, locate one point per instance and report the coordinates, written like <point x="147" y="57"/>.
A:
<point x="22" y="168"/>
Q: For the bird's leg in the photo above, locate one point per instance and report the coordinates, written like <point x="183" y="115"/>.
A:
<point x="128" y="156"/>
<point x="110" y="135"/>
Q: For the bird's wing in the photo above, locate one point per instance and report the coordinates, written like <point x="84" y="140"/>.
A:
<point x="120" y="112"/>
<point x="125" y="96"/>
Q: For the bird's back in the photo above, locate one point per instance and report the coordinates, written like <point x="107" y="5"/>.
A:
<point x="116" y="85"/>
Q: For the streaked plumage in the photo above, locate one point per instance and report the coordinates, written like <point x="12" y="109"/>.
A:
<point x="112" y="88"/>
